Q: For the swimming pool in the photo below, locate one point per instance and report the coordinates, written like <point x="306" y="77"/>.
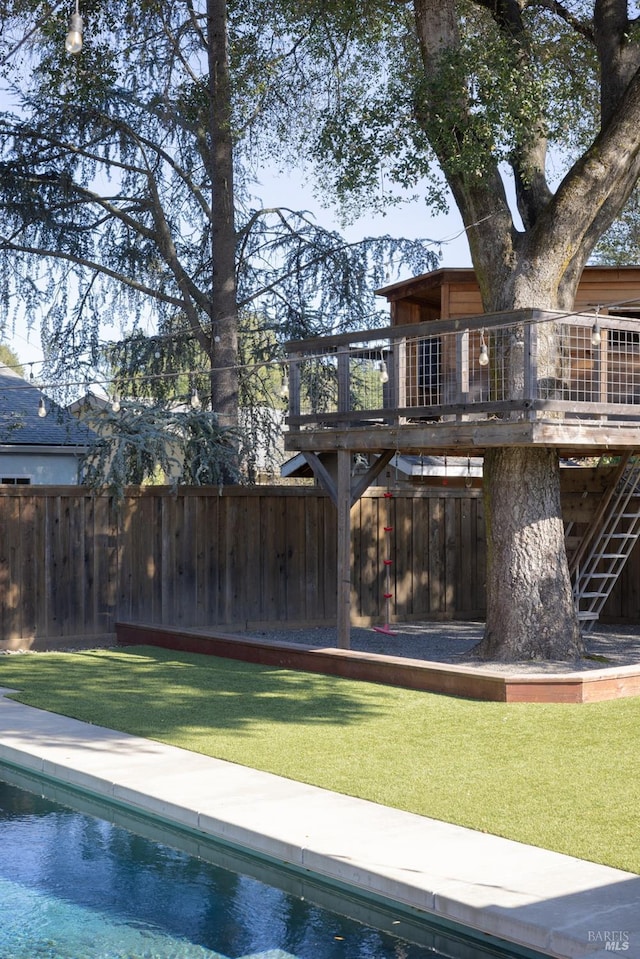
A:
<point x="74" y="886"/>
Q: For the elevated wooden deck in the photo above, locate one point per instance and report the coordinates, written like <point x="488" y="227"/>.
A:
<point x="460" y="387"/>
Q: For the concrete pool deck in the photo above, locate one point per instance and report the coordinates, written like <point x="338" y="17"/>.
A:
<point x="555" y="904"/>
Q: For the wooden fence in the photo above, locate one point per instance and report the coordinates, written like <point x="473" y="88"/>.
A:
<point x="73" y="562"/>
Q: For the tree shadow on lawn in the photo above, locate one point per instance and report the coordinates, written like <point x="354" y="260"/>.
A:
<point x="149" y="690"/>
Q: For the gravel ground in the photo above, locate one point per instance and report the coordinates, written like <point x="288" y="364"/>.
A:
<point x="453" y="643"/>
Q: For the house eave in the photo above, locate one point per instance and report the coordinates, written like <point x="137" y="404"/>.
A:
<point x="43" y="449"/>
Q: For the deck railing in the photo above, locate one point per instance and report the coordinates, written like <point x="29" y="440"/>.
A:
<point x="527" y="364"/>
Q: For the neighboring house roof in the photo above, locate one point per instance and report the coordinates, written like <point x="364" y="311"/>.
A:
<point x="20" y="424"/>
<point x="89" y="402"/>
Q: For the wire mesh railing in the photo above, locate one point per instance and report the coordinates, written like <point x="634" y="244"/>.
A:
<point x="527" y="364"/>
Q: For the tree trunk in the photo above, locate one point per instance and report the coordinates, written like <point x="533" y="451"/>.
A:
<point x="530" y="609"/>
<point x="224" y="310"/>
<point x="531" y="613"/>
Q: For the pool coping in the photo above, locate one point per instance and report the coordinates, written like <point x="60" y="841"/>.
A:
<point x="536" y="899"/>
<point x="589" y="686"/>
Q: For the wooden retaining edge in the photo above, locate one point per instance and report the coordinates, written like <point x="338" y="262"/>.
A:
<point x="596" y="685"/>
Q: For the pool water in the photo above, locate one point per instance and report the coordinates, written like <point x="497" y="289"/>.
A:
<point x="73" y="886"/>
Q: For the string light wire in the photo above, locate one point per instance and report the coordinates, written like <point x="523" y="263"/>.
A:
<point x="280" y="363"/>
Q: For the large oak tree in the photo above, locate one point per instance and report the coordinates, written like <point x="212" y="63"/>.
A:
<point x="529" y="111"/>
<point x="535" y="264"/>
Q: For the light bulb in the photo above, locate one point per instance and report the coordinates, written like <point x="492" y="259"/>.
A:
<point x="384" y="373"/>
<point x="115" y="404"/>
<point x="195" y="401"/>
<point x="483" y="358"/>
<point x="596" y="335"/>
<point x="42" y="409"/>
<point x="73" y="42"/>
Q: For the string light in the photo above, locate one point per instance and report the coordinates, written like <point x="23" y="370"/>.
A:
<point x="596" y="335"/>
<point x="42" y="409"/>
<point x="195" y="400"/>
<point x="468" y="481"/>
<point x="73" y="42"/>
<point x="483" y="358"/>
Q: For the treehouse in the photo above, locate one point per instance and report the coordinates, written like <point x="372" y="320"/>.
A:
<point x="446" y="379"/>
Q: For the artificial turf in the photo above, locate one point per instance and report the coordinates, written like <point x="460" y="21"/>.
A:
<point x="565" y="777"/>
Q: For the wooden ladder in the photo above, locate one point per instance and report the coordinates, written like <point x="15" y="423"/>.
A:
<point x="607" y="545"/>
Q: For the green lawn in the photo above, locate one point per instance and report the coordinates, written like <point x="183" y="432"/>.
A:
<point x="566" y="777"/>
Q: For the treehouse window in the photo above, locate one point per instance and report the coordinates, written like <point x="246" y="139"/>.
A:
<point x="429" y="359"/>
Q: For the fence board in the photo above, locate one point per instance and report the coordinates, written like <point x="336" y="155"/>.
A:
<point x="10" y="604"/>
<point x="453" y="585"/>
<point x="272" y="525"/>
<point x="437" y="580"/>
<point x="295" y="580"/>
<point x="368" y="554"/>
<point x="402" y="602"/>
<point x="72" y="562"/>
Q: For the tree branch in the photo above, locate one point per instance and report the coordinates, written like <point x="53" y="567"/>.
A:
<point x="583" y="27"/>
<point x="595" y="189"/>
<point x="55" y="254"/>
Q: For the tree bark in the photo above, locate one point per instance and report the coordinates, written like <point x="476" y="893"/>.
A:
<point x="224" y="310"/>
<point x="530" y="610"/>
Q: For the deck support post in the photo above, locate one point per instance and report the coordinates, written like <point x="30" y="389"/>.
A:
<point x="344" y="550"/>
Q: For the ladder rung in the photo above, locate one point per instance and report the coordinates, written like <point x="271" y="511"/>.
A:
<point x="615" y="541"/>
<point x="598" y="574"/>
<point x="591" y="566"/>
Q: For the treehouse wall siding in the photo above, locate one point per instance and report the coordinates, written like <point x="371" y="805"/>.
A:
<point x="461" y="299"/>
<point x="606" y="286"/>
<point x="449" y="293"/>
